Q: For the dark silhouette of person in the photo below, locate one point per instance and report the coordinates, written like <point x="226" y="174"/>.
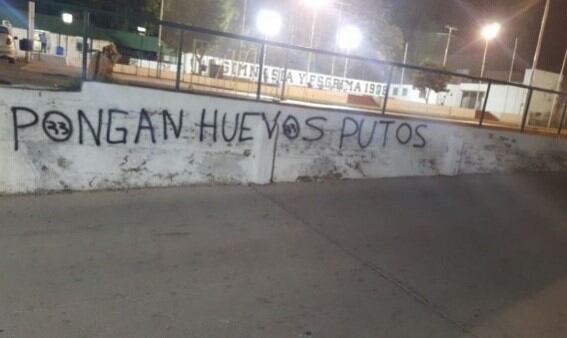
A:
<point x="43" y="40"/>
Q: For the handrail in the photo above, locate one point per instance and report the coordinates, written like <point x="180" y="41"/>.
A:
<point x="264" y="43"/>
<point x="144" y="16"/>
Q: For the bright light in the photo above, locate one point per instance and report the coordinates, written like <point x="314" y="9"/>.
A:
<point x="349" y="38"/>
<point x="142" y="30"/>
<point x="491" y="31"/>
<point x="67" y="18"/>
<point x="269" y="22"/>
<point x="317" y="3"/>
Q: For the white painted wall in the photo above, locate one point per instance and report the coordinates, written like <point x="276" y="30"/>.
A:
<point x="507" y="99"/>
<point x="292" y="143"/>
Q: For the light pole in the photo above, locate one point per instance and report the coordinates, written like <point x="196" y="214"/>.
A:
<point x="269" y="24"/>
<point x="514" y="54"/>
<point x="339" y="23"/>
<point x="160" y="29"/>
<point x="348" y="39"/>
<point x="403" y="75"/>
<point x="540" y="41"/>
<point x="315" y="5"/>
<point x="244" y="12"/>
<point x="67" y="19"/>
<point x="446" y="56"/>
<point x="489" y="33"/>
<point x="557" y="88"/>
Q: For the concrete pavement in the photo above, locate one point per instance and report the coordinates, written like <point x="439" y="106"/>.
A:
<point x="475" y="256"/>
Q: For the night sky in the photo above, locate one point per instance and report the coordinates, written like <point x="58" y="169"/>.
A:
<point x="521" y="18"/>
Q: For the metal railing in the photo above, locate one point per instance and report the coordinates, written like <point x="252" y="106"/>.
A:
<point x="263" y="45"/>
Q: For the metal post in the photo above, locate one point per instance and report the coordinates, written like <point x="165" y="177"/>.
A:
<point x="403" y="75"/>
<point x="86" y="23"/>
<point x="526" y="110"/>
<point x="160" y="31"/>
<point x="483" y="112"/>
<point x="346" y="68"/>
<point x="387" y="95"/>
<point x="282" y="96"/>
<point x="243" y="29"/>
<point x="340" y="20"/>
<point x="557" y="88"/>
<point x="513" y="60"/>
<point x="484" y="59"/>
<point x="31" y="29"/>
<point x="312" y="40"/>
<point x="540" y="41"/>
<point x="562" y="122"/>
<point x="446" y="57"/>
<point x="179" y="58"/>
<point x="244" y="12"/>
<point x="261" y="71"/>
<point x="477" y="98"/>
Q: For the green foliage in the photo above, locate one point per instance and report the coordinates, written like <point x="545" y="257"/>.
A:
<point x="212" y="14"/>
<point x="431" y="81"/>
<point x="385" y="38"/>
<point x="413" y="16"/>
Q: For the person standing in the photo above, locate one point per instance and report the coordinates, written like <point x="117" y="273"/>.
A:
<point x="43" y="40"/>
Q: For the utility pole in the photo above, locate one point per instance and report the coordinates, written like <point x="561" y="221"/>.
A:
<point x="244" y="13"/>
<point x="451" y="30"/>
<point x="513" y="60"/>
<point x="243" y="30"/>
<point x="312" y="40"/>
<point x="339" y="23"/>
<point x="160" y="29"/>
<point x="31" y="29"/>
<point x="342" y="8"/>
<point x="539" y="41"/>
<point x="402" y="77"/>
<point x="484" y="59"/>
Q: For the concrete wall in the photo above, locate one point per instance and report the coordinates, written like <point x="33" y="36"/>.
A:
<point x="110" y="136"/>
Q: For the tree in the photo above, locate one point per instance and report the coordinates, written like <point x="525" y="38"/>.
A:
<point x="213" y="14"/>
<point x="385" y="40"/>
<point x="431" y="81"/>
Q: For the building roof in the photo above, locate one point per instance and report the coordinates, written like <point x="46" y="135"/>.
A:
<point x="54" y="24"/>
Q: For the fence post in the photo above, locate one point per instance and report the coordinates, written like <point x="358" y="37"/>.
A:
<point x="527" y="110"/>
<point x="282" y="96"/>
<point x="562" y="121"/>
<point x="86" y="23"/>
<point x="179" y="59"/>
<point x="485" y="104"/>
<point x="261" y="71"/>
<point x="387" y="95"/>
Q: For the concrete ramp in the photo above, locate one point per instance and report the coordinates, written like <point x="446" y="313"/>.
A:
<point x="120" y="137"/>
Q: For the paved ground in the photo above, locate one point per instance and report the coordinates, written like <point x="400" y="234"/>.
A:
<point x="38" y="76"/>
<point x="478" y="256"/>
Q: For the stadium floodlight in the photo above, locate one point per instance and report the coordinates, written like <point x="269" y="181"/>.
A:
<point x="349" y="38"/>
<point x="317" y="3"/>
<point x="67" y="18"/>
<point x="490" y="32"/>
<point x="269" y="22"/>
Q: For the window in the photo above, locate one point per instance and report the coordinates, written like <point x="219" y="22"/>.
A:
<point x="4" y="30"/>
<point x="396" y="92"/>
<point x="405" y="92"/>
